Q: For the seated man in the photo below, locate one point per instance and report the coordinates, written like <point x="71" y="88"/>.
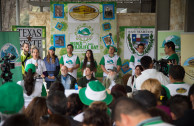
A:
<point x="86" y="79"/>
<point x="176" y="76"/>
<point x="112" y="78"/>
<point x="128" y="112"/>
<point x="149" y="72"/>
<point x="66" y="79"/>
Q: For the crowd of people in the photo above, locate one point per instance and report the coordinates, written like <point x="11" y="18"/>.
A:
<point x="148" y="98"/>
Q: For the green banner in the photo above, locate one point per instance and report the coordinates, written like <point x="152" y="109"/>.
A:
<point x="10" y="46"/>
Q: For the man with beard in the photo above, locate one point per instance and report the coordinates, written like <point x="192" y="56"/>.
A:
<point x="25" y="55"/>
<point x="66" y="79"/>
<point x="112" y="78"/>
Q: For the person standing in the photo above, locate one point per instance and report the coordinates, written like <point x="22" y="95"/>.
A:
<point x="25" y="55"/>
<point x="71" y="61"/>
<point x="110" y="60"/>
<point x="52" y="65"/>
<point x="135" y="58"/>
<point x="89" y="61"/>
<point x="41" y="71"/>
<point x="170" y="51"/>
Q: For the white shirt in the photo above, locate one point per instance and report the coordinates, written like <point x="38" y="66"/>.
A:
<point x="41" y="65"/>
<point x="129" y="83"/>
<point x="70" y="62"/>
<point x="79" y="117"/>
<point x="137" y="58"/>
<point x="151" y="73"/>
<point x="178" y="88"/>
<point x="36" y="93"/>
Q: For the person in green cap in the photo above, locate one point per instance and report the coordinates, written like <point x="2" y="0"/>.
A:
<point x="31" y="87"/>
<point x="94" y="91"/>
<point x="110" y="60"/>
<point x="12" y="100"/>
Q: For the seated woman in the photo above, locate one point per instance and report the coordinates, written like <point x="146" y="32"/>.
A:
<point x="32" y="87"/>
<point x="131" y="81"/>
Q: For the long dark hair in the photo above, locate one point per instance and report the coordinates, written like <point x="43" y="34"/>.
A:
<point x="53" y="58"/>
<point x="29" y="82"/>
<point x="92" y="64"/>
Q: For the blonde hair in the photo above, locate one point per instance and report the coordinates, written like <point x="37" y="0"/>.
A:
<point x="152" y="85"/>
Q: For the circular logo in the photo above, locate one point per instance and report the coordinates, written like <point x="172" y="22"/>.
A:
<point x="9" y="50"/>
<point x="181" y="90"/>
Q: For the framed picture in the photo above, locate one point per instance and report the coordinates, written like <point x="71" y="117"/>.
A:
<point x="107" y="40"/>
<point x="106" y="26"/>
<point x="59" y="26"/>
<point x="58" y="11"/>
<point x="125" y="67"/>
<point x="59" y="40"/>
<point x="108" y="12"/>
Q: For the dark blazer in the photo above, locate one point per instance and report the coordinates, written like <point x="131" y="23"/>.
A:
<point x="73" y="80"/>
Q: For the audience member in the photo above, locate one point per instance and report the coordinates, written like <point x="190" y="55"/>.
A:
<point x="135" y="58"/>
<point x="88" y="62"/>
<point x="112" y="78"/>
<point x="128" y="112"/>
<point x="12" y="100"/>
<point x="36" y="109"/>
<point x="94" y="91"/>
<point x="54" y="120"/>
<point x="149" y="72"/>
<point x="87" y="78"/>
<point x="57" y="104"/>
<point x="176" y="76"/>
<point x="66" y="79"/>
<point x="178" y="105"/>
<point x="146" y="98"/>
<point x="71" y="61"/>
<point x="52" y="65"/>
<point x="94" y="117"/>
<point x="25" y="55"/>
<point x="32" y="87"/>
<point x="57" y="86"/>
<point x="18" y="120"/>
<point x="132" y="79"/>
<point x="75" y="106"/>
<point x="110" y="60"/>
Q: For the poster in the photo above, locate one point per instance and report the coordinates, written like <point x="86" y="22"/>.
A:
<point x="187" y="56"/>
<point x="10" y="46"/>
<point x="166" y="36"/>
<point x="34" y="35"/>
<point x="137" y="35"/>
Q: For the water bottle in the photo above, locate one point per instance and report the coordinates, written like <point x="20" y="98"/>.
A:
<point x="76" y="86"/>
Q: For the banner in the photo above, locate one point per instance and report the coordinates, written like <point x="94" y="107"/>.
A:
<point x="137" y="35"/>
<point x="34" y="35"/>
<point x="187" y="56"/>
<point x="10" y="46"/>
<point x="166" y="36"/>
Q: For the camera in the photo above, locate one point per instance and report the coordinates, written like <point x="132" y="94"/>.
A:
<point x="162" y="65"/>
<point x="6" y="66"/>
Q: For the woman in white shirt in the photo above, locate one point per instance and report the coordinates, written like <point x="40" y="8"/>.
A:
<point x="32" y="87"/>
<point x="132" y="79"/>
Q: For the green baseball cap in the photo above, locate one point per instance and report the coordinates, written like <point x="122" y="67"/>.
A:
<point x="31" y="66"/>
<point x="113" y="47"/>
<point x="12" y="100"/>
<point x="94" y="91"/>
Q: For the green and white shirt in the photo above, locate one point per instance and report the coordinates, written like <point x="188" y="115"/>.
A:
<point x="70" y="62"/>
<point x="108" y="62"/>
<point x="155" y="121"/>
<point x="178" y="88"/>
<point x="135" y="60"/>
<point x="173" y="56"/>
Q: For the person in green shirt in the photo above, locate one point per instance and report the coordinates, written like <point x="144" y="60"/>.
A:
<point x="25" y="55"/>
<point x="71" y="61"/>
<point x="170" y="51"/>
<point x="109" y="60"/>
